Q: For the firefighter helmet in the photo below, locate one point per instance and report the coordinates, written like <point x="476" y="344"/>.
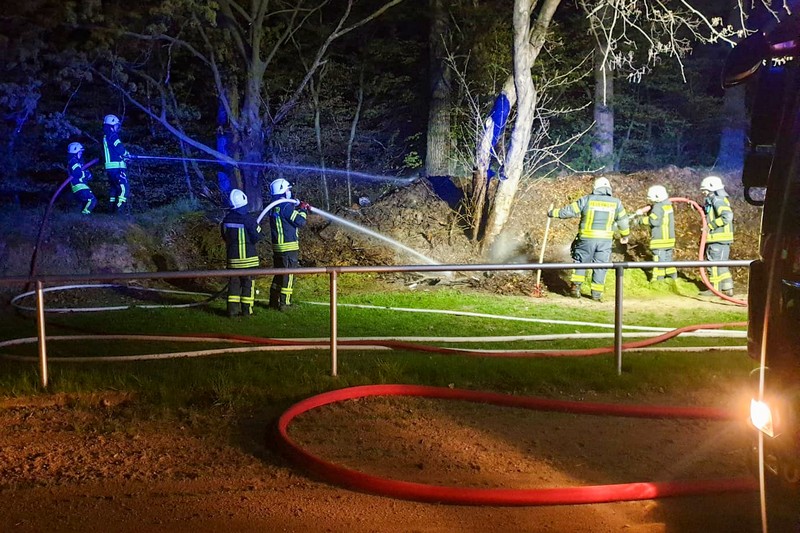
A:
<point x="711" y="184"/>
<point x="238" y="198"/>
<point x="75" y="148"/>
<point x="657" y="193"/>
<point x="111" y="120"/>
<point x="279" y="187"/>
<point x="602" y="182"/>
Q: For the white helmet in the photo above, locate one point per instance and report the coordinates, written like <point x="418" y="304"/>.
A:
<point x="74" y="148"/>
<point x="711" y="184"/>
<point x="657" y="193"/>
<point x="601" y="182"/>
<point x="238" y="199"/>
<point x="279" y="187"/>
<point x="111" y="120"/>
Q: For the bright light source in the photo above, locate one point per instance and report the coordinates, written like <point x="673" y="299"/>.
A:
<point x="761" y="417"/>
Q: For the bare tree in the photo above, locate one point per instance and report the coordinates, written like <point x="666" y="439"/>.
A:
<point x="236" y="42"/>
<point x="660" y="28"/>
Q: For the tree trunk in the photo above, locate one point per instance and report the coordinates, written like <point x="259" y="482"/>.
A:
<point x="603" y="138"/>
<point x="253" y="153"/>
<point x="437" y="159"/>
<point x="732" y="143"/>
<point x="351" y="140"/>
<point x="493" y="129"/>
<point x="527" y="46"/>
<point x="314" y="89"/>
<point x="252" y="138"/>
<point x="523" y="124"/>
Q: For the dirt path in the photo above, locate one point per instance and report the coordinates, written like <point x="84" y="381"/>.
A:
<point x="90" y="469"/>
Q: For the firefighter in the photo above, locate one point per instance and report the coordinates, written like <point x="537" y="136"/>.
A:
<point x="660" y="218"/>
<point x="116" y="159"/>
<point x="599" y="212"/>
<point x="719" y="217"/>
<point x="241" y="233"/>
<point x="79" y="178"/>
<point x="285" y="219"/>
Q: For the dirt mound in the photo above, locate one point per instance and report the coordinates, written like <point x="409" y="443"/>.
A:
<point x="414" y="216"/>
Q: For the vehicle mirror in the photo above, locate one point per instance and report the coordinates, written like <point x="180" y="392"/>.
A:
<point x="744" y="60"/>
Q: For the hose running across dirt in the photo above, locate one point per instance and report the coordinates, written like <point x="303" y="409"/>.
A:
<point x="469" y="496"/>
<point x="503" y="497"/>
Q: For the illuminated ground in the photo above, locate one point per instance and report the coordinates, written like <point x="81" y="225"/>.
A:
<point x="80" y="469"/>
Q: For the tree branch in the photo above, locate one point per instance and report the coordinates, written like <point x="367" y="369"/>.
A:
<point x="165" y="123"/>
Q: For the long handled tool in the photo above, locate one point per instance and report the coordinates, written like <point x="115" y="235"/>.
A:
<point x="541" y="252"/>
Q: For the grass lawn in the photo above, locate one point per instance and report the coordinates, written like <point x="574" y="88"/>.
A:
<point x="276" y="379"/>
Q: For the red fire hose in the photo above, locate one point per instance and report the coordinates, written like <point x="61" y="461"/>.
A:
<point x="505" y="497"/>
<point x="701" y="256"/>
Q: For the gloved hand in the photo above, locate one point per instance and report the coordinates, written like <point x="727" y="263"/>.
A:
<point x="551" y="213"/>
<point x="305" y="206"/>
<point x="623" y="240"/>
<point x="127" y="156"/>
<point x="87" y="175"/>
<point x="643" y="210"/>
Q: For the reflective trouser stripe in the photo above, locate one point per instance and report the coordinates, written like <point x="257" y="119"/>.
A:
<point x="719" y="277"/>
<point x="663" y="255"/>
<point x="591" y="251"/>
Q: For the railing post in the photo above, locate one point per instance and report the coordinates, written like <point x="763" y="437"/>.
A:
<point x="40" y="333"/>
<point x="334" y="323"/>
<point x="620" y="273"/>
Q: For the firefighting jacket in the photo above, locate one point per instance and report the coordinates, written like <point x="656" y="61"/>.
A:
<point x="599" y="213"/>
<point x="241" y="233"/>
<point x="284" y="222"/>
<point x="78" y="176"/>
<point x="661" y="220"/>
<point x="719" y="217"/>
<point x="113" y="149"/>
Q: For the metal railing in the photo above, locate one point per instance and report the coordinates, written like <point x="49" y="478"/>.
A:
<point x="333" y="273"/>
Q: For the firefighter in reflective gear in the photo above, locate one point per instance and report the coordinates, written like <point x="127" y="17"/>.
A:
<point x="79" y="178"/>
<point x="116" y="158"/>
<point x="285" y="219"/>
<point x="719" y="238"/>
<point x="241" y="233"/>
<point x="599" y="213"/>
<point x="660" y="218"/>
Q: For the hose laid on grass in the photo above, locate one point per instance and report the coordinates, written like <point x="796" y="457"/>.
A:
<point x="503" y="497"/>
<point x="15" y="301"/>
<point x="400" y="345"/>
<point x="299" y="344"/>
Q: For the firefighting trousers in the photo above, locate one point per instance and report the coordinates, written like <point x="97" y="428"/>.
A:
<point x="241" y="295"/>
<point x="118" y="189"/>
<point x="719" y="277"/>
<point x="591" y="251"/>
<point x="663" y="255"/>
<point x="280" y="292"/>
<point x="86" y="200"/>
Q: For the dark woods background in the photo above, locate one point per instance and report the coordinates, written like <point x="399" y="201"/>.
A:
<point x="66" y="65"/>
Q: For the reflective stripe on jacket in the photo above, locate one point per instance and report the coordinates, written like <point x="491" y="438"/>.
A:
<point x="599" y="214"/>
<point x="77" y="176"/>
<point x="241" y="233"/>
<point x="719" y="216"/>
<point x="662" y="225"/>
<point x="284" y="222"/>
<point x="113" y="150"/>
